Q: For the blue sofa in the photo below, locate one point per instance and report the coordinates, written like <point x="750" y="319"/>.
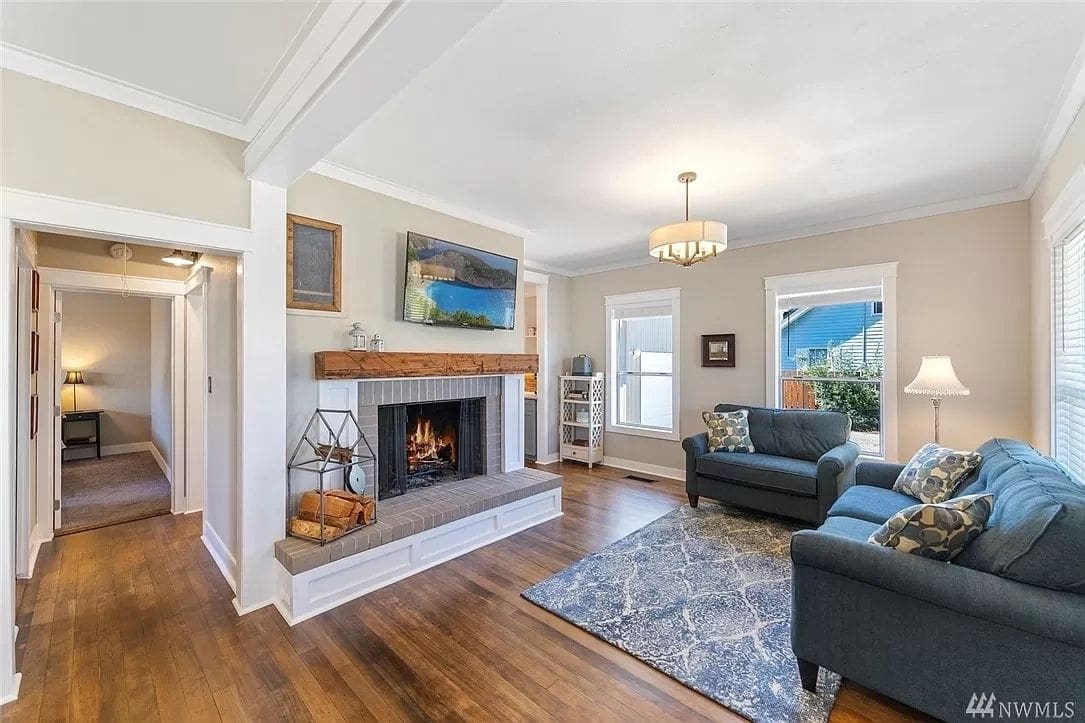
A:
<point x="1006" y="617"/>
<point x="802" y="462"/>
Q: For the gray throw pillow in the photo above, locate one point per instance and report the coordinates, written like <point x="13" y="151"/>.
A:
<point x="938" y="531"/>
<point x="934" y="472"/>
<point x="728" y="431"/>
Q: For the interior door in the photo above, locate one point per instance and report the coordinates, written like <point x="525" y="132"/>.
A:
<point x="58" y="390"/>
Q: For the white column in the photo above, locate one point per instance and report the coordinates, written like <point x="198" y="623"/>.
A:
<point x="262" y="403"/>
<point x="513" y="434"/>
<point x="9" y="679"/>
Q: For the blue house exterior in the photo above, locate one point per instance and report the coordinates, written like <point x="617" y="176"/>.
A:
<point x="808" y="333"/>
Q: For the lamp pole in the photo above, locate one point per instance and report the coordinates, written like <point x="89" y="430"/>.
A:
<point x="937" y="402"/>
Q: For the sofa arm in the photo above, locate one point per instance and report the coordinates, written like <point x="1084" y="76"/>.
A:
<point x="877" y="474"/>
<point x="695" y="446"/>
<point x="1037" y="610"/>
<point x="836" y="470"/>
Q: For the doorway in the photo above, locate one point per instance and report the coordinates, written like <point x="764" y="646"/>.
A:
<point x="115" y="442"/>
<point x="538" y="386"/>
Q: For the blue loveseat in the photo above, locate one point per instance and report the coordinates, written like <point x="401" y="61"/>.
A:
<point x="1006" y="617"/>
<point x="802" y="462"/>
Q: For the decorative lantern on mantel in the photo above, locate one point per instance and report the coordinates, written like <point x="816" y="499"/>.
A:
<point x="357" y="335"/>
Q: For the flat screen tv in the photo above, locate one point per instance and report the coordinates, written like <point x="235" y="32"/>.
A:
<point x="452" y="285"/>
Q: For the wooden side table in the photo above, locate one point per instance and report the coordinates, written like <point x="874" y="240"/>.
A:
<point x="81" y="442"/>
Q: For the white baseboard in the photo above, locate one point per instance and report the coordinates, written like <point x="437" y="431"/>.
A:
<point x="652" y="469"/>
<point x="12" y="689"/>
<point x="548" y="458"/>
<point x="35" y="548"/>
<point x="315" y="591"/>
<point x="153" y="449"/>
<point x="220" y="554"/>
<point x="108" y="450"/>
<point x="253" y="608"/>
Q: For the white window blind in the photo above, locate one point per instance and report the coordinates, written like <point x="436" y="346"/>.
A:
<point x="1068" y="329"/>
<point x="642" y="366"/>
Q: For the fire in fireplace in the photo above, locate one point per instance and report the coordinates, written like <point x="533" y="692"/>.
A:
<point x="431" y="440"/>
<point x="420" y="445"/>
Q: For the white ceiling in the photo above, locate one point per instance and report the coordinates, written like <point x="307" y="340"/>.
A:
<point x="573" y="119"/>
<point x="219" y="57"/>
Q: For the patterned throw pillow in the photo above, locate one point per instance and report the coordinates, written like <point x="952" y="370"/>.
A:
<point x="728" y="431"/>
<point x="937" y="531"/>
<point x="934" y="472"/>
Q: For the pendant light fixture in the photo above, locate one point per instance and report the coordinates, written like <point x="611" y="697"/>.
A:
<point x="179" y="258"/>
<point x="687" y="242"/>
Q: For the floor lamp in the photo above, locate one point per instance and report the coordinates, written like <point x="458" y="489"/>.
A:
<point x="936" y="379"/>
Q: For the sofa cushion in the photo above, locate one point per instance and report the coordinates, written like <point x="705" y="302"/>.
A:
<point x="1036" y="533"/>
<point x="939" y="531"/>
<point x="728" y="431"/>
<point x="784" y="474"/>
<point x="934" y="472"/>
<point x="849" y="527"/>
<point x="796" y="433"/>
<point x="873" y="504"/>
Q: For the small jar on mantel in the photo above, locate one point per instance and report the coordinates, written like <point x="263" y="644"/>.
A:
<point x="377" y="343"/>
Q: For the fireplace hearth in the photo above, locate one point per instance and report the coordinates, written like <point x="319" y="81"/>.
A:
<point x="424" y="444"/>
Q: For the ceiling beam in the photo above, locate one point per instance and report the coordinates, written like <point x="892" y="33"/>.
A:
<point x="382" y="47"/>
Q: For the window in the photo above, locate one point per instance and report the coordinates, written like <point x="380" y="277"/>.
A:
<point x="830" y="347"/>
<point x="1068" y="342"/>
<point x="642" y="363"/>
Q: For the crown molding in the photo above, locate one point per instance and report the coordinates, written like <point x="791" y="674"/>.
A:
<point x="1069" y="102"/>
<point x="418" y="198"/>
<point x="313" y="36"/>
<point x="64" y="74"/>
<point x="910" y="214"/>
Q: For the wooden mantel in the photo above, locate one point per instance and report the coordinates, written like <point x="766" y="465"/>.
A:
<point x="392" y="364"/>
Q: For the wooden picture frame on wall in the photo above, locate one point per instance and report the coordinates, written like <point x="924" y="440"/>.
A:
<point x="717" y="350"/>
<point x="35" y="356"/>
<point x="314" y="264"/>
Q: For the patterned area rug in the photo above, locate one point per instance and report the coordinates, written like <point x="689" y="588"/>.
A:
<point x="704" y="596"/>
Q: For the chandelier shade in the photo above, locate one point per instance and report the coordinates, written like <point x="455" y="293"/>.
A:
<point x="687" y="242"/>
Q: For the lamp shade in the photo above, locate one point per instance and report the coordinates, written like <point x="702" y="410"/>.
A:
<point x="74" y="377"/>
<point x="687" y="242"/>
<point x="936" y="378"/>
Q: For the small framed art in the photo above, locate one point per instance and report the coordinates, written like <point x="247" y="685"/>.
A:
<point x="314" y="264"/>
<point x="717" y="350"/>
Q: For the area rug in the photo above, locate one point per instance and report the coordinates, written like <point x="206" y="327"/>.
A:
<point x="704" y="596"/>
<point x="106" y="491"/>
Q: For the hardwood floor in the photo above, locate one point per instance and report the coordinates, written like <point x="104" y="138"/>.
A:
<point x="134" y="622"/>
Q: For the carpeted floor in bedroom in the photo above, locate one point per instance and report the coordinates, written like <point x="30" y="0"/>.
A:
<point x="114" y="489"/>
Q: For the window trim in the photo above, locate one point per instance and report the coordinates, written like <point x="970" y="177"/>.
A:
<point x="842" y="281"/>
<point x="1060" y="221"/>
<point x="613" y="302"/>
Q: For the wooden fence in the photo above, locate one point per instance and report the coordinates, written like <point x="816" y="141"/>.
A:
<point x="798" y="394"/>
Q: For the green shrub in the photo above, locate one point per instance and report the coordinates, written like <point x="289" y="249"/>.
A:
<point x="859" y="400"/>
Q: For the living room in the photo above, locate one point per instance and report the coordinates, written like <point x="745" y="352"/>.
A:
<point x="580" y="360"/>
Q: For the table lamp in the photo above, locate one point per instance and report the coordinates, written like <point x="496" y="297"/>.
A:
<point x="73" y="378"/>
<point x="936" y="379"/>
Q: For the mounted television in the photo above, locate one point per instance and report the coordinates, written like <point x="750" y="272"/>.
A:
<point x="452" y="285"/>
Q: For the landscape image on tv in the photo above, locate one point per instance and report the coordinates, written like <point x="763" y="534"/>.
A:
<point x="456" y="285"/>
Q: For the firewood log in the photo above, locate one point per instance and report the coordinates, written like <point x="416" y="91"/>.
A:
<point x="310" y="529"/>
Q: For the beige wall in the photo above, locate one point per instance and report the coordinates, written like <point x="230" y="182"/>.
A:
<point x="59" y="251"/>
<point x="374" y="246"/>
<point x="108" y="338"/>
<point x="1067" y="159"/>
<point x="62" y="142"/>
<point x="559" y="349"/>
<point x="960" y="292"/>
<point x="161" y="409"/>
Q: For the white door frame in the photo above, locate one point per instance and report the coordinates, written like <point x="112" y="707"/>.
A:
<point x="261" y="507"/>
<point x="542" y="378"/>
<point x="64" y="280"/>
